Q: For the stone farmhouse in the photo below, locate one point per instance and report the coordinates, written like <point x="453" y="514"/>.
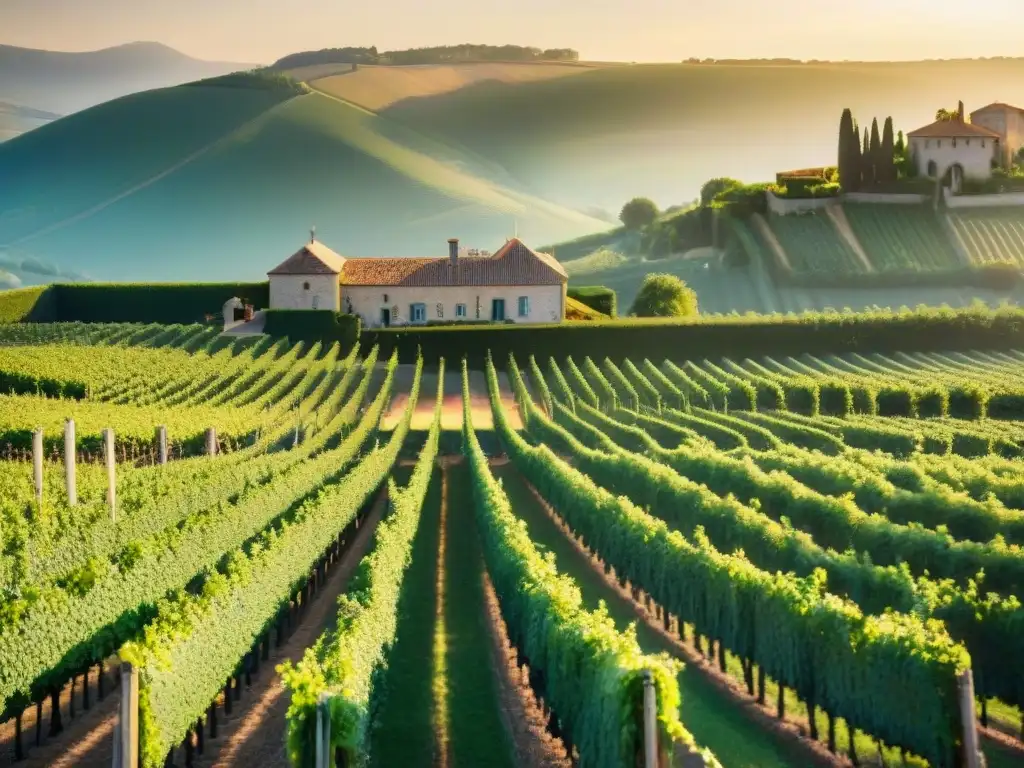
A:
<point x="968" y="149"/>
<point x="515" y="284"/>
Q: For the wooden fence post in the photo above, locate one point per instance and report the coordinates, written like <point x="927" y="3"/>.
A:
<point x="211" y="441"/>
<point x="965" y="688"/>
<point x="70" y="462"/>
<point x="161" y="443"/>
<point x="37" y="463"/>
<point x="108" y="454"/>
<point x="126" y="745"/>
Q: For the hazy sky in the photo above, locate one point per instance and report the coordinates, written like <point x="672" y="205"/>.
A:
<point x="261" y="31"/>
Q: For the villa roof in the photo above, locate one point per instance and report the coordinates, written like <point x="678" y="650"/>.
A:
<point x="513" y="264"/>
<point x="314" y="258"/>
<point x="997" y="105"/>
<point x="953" y="129"/>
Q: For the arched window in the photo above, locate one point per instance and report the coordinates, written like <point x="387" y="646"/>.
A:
<point x="933" y="168"/>
<point x="305" y="286"/>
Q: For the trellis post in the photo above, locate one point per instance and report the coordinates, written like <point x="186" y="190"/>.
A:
<point x="161" y="443"/>
<point x="37" y="463"/>
<point x="965" y="689"/>
<point x="211" y="441"/>
<point x="70" y="462"/>
<point x="126" y="733"/>
<point x="108" y="455"/>
<point x="650" y="722"/>
<point x="323" y="731"/>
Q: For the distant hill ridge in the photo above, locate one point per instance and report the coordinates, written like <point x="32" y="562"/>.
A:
<point x="63" y="82"/>
<point x="442" y="54"/>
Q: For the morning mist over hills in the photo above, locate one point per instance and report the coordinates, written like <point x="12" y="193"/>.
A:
<point x="148" y="179"/>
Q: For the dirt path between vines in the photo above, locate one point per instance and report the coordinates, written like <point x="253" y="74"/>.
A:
<point x="254" y="733"/>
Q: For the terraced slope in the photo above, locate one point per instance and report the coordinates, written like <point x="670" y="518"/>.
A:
<point x="902" y="238"/>
<point x="991" y="235"/>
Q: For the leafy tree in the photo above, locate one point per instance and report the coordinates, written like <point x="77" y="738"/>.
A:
<point x="638" y="213"/>
<point x="945" y="115"/>
<point x="901" y="143"/>
<point x="713" y="187"/>
<point x="664" y="295"/>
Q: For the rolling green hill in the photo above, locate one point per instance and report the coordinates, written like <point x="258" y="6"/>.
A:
<point x="206" y="182"/>
<point x="660" y="130"/>
<point x="200" y="182"/>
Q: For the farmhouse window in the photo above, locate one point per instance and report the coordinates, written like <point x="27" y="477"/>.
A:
<point x="939" y="143"/>
<point x="954" y="143"/>
<point x="982" y="143"/>
<point x="927" y="143"/>
<point x="305" y="286"/>
<point x="524" y="306"/>
<point x="418" y="312"/>
<point x="967" y="142"/>
<point x="460" y="310"/>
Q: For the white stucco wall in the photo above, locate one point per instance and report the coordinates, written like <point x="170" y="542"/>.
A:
<point x="974" y="155"/>
<point x="547" y="303"/>
<point x="289" y="292"/>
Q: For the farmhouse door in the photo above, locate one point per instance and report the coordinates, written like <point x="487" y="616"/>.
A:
<point x="385" y="317"/>
<point x="498" y="310"/>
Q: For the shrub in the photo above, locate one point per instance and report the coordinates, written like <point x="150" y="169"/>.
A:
<point x="663" y="295"/>
<point x="597" y="297"/>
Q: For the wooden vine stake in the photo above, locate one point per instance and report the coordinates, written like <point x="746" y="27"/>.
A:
<point x="108" y="455"/>
<point x="650" y="722"/>
<point x="70" y="462"/>
<point x="323" y="732"/>
<point x="37" y="464"/>
<point x="211" y="441"/>
<point x="161" y="444"/>
<point x="965" y="688"/>
<point x="126" y="733"/>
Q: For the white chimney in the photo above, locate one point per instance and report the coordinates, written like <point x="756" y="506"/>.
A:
<point x="453" y="250"/>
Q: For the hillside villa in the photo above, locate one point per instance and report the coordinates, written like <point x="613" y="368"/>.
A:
<point x="968" y="149"/>
<point x="515" y="284"/>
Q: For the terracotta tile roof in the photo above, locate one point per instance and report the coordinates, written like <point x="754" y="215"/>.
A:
<point x="513" y="264"/>
<point x="997" y="105"/>
<point x="953" y="129"/>
<point x="314" y="258"/>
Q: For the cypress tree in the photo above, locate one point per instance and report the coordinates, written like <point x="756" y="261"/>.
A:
<point x="856" y="161"/>
<point x="901" y="144"/>
<point x="877" y="162"/>
<point x="849" y="175"/>
<point x="867" y="167"/>
<point x="888" y="159"/>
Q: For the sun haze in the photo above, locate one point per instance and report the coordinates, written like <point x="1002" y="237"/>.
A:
<point x="262" y="31"/>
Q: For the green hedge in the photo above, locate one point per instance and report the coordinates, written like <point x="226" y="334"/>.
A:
<point x="152" y="302"/>
<point x="311" y="325"/>
<point x="994" y="276"/>
<point x="597" y="297"/>
<point x="28" y="305"/>
<point x="738" y="337"/>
